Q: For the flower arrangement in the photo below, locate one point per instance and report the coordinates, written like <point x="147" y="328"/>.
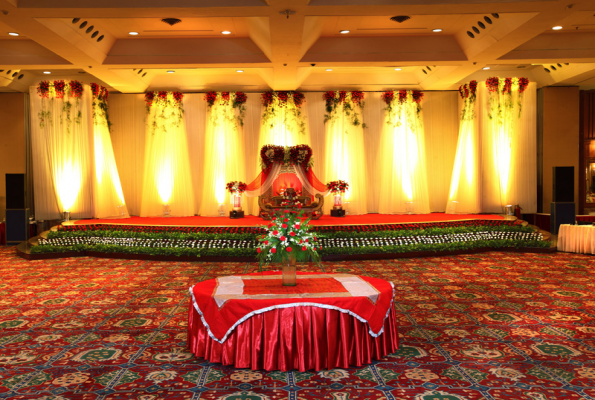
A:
<point x="291" y="101"/>
<point x="339" y="186"/>
<point x="237" y="100"/>
<point x="164" y="98"/>
<point x="170" y="111"/>
<point x="504" y="95"/>
<point x="347" y="102"/>
<point x="59" y="89"/>
<point x="468" y="93"/>
<point x="288" y="236"/>
<point x="100" y="109"/>
<point x="395" y="108"/>
<point x="236" y="187"/>
<point x="298" y="155"/>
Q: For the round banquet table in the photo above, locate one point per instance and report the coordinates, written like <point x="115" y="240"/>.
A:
<point x="576" y="238"/>
<point x="326" y="321"/>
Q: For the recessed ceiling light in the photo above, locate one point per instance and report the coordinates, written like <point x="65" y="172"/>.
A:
<point x="240" y="70"/>
<point x="397" y="69"/>
<point x="47" y="72"/>
<point x="437" y="30"/>
<point x="13" y="34"/>
<point x="486" y="67"/>
<point x="556" y="28"/>
<point x="169" y="72"/>
<point x="226" y="32"/>
<point x="133" y="33"/>
<point x="329" y="69"/>
<point x="344" y="31"/>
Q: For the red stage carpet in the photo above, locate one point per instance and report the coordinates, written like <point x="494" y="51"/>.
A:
<point x="367" y="219"/>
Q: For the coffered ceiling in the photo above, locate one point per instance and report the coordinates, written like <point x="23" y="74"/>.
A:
<point x="295" y="44"/>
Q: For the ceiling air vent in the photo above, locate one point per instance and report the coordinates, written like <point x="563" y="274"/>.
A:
<point x="400" y="18"/>
<point x="171" y="21"/>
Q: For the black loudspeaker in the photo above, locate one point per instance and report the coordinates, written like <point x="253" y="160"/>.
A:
<point x="17" y="226"/>
<point x="338" y="213"/>
<point x="561" y="213"/>
<point x="563" y="184"/>
<point x="15" y="191"/>
<point x="236" y="214"/>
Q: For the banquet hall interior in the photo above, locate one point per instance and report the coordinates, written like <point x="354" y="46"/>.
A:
<point x="443" y="148"/>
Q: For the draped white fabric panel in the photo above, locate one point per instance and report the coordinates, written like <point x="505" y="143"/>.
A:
<point x="62" y="153"/>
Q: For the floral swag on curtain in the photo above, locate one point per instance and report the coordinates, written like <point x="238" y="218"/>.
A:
<point x="237" y="101"/>
<point x="273" y="158"/>
<point x="291" y="101"/>
<point x="351" y="104"/>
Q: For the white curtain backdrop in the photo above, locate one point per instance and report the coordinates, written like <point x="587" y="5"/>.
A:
<point x="440" y="118"/>
<point x="344" y="159"/>
<point x="62" y="153"/>
<point x="223" y="157"/>
<point x="109" y="197"/>
<point x="167" y="181"/>
<point x="402" y="162"/>
<point x="509" y="154"/>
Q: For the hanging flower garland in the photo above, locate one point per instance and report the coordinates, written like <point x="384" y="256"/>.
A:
<point x="292" y="101"/>
<point x="100" y="109"/>
<point x="395" y="106"/>
<point x="511" y="90"/>
<point x="237" y="101"/>
<point x="468" y="92"/>
<point x="59" y="89"/>
<point x="171" y="111"/>
<point x="351" y="102"/>
<point x="300" y="154"/>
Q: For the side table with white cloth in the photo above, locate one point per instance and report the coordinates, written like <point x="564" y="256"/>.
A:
<point x="576" y="238"/>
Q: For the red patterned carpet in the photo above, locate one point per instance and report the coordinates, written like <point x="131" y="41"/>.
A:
<point x="484" y="326"/>
<point x="251" y="220"/>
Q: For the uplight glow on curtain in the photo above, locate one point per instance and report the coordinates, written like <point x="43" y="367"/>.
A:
<point x="224" y="150"/>
<point x="167" y="183"/>
<point x="402" y="166"/>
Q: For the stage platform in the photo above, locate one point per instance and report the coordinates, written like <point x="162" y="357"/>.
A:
<point x="325" y="220"/>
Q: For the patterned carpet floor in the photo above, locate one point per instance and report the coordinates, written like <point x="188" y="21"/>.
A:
<point x="491" y="325"/>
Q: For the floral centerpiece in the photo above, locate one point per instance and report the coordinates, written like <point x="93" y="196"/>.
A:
<point x="337" y="188"/>
<point x="288" y="240"/>
<point x="236" y="188"/>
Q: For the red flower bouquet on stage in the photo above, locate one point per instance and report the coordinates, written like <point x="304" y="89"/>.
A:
<point x="288" y="240"/>
<point x="236" y="188"/>
<point x="338" y="188"/>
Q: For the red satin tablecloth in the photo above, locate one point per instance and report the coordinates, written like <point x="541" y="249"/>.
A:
<point x="326" y="321"/>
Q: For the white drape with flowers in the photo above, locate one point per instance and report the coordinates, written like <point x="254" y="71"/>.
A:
<point x="344" y="143"/>
<point x="284" y="120"/>
<point x="465" y="192"/>
<point x="62" y="148"/>
<point x="109" y="198"/>
<point x="223" y="154"/>
<point x="167" y="182"/>
<point x="402" y="157"/>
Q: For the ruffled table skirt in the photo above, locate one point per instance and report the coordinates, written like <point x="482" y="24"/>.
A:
<point x="576" y="239"/>
<point x="296" y="338"/>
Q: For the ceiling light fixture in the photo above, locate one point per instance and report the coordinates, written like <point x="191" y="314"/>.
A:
<point x="13" y="34"/>
<point x="47" y="72"/>
<point x="486" y="68"/>
<point x="328" y="69"/>
<point x="344" y="31"/>
<point x="226" y="32"/>
<point x="556" y="28"/>
<point x="397" y="69"/>
<point x="240" y="70"/>
<point x="400" y="18"/>
<point x="133" y="33"/>
<point x="171" y="21"/>
<point x="169" y="72"/>
<point x="437" y="30"/>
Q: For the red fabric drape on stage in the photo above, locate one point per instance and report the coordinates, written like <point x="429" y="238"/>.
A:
<point x="263" y="175"/>
<point x="297" y="338"/>
<point x="321" y="187"/>
<point x="257" y="183"/>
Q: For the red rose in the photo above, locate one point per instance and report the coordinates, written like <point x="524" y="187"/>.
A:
<point x="306" y="240"/>
<point x="284" y="226"/>
<point x="273" y="250"/>
<point x="303" y="248"/>
<point x="291" y="233"/>
<point x="288" y="249"/>
<point x="275" y="232"/>
<point x="286" y="220"/>
<point x="266" y="242"/>
<point x="315" y="239"/>
<point x="258" y="250"/>
<point x="282" y="238"/>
